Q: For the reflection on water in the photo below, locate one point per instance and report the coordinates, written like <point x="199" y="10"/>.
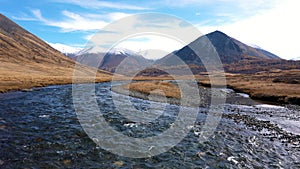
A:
<point x="40" y="129"/>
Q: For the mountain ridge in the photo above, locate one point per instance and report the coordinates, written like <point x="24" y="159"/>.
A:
<point x="125" y="61"/>
<point x="235" y="56"/>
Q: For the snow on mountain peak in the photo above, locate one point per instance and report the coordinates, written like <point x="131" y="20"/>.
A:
<point x="121" y="51"/>
<point x="114" y="51"/>
<point x="64" y="48"/>
<point x="254" y="46"/>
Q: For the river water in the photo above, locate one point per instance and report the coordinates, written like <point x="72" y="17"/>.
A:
<point x="40" y="129"/>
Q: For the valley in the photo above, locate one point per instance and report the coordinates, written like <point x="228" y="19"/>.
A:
<point x="120" y="110"/>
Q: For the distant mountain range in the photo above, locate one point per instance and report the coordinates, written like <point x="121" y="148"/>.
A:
<point x="65" y="49"/>
<point x="126" y="61"/>
<point x="235" y="56"/>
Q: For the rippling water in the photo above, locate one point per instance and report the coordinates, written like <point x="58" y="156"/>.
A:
<point x="40" y="129"/>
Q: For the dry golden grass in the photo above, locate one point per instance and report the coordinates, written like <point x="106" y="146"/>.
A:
<point x="157" y="88"/>
<point x="23" y="76"/>
<point x="261" y="86"/>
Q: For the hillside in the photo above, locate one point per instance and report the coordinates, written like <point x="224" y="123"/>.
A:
<point x="27" y="61"/>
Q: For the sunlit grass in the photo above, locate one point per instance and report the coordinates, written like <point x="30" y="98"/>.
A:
<point x="155" y="87"/>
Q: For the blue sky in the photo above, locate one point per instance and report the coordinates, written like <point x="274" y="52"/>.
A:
<point x="270" y="24"/>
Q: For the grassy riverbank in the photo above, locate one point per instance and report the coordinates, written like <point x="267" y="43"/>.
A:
<point x="25" y="76"/>
<point x="278" y="86"/>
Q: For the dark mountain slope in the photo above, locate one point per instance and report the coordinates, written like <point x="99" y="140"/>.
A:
<point x="229" y="50"/>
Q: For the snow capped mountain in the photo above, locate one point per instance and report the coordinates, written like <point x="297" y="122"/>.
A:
<point x="113" y="51"/>
<point x="90" y="50"/>
<point x="65" y="48"/>
<point x="121" y="51"/>
<point x="254" y="46"/>
<point x="127" y="62"/>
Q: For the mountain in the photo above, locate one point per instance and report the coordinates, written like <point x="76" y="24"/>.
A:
<point x="26" y="60"/>
<point x="20" y="46"/>
<point x="65" y="49"/>
<point x="229" y="50"/>
<point x="232" y="50"/>
<point x="123" y="61"/>
<point x="235" y="56"/>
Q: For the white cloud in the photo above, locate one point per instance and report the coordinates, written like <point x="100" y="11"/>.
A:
<point x="80" y="22"/>
<point x="151" y="46"/>
<point x="97" y="4"/>
<point x="152" y="34"/>
<point x="275" y="30"/>
<point x="184" y="3"/>
<point x="24" y="17"/>
<point x="244" y="5"/>
<point x="88" y="37"/>
<point x="117" y="15"/>
<point x="38" y="15"/>
<point x="112" y="16"/>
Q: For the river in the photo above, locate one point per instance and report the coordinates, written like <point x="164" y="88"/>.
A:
<point x="40" y="129"/>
